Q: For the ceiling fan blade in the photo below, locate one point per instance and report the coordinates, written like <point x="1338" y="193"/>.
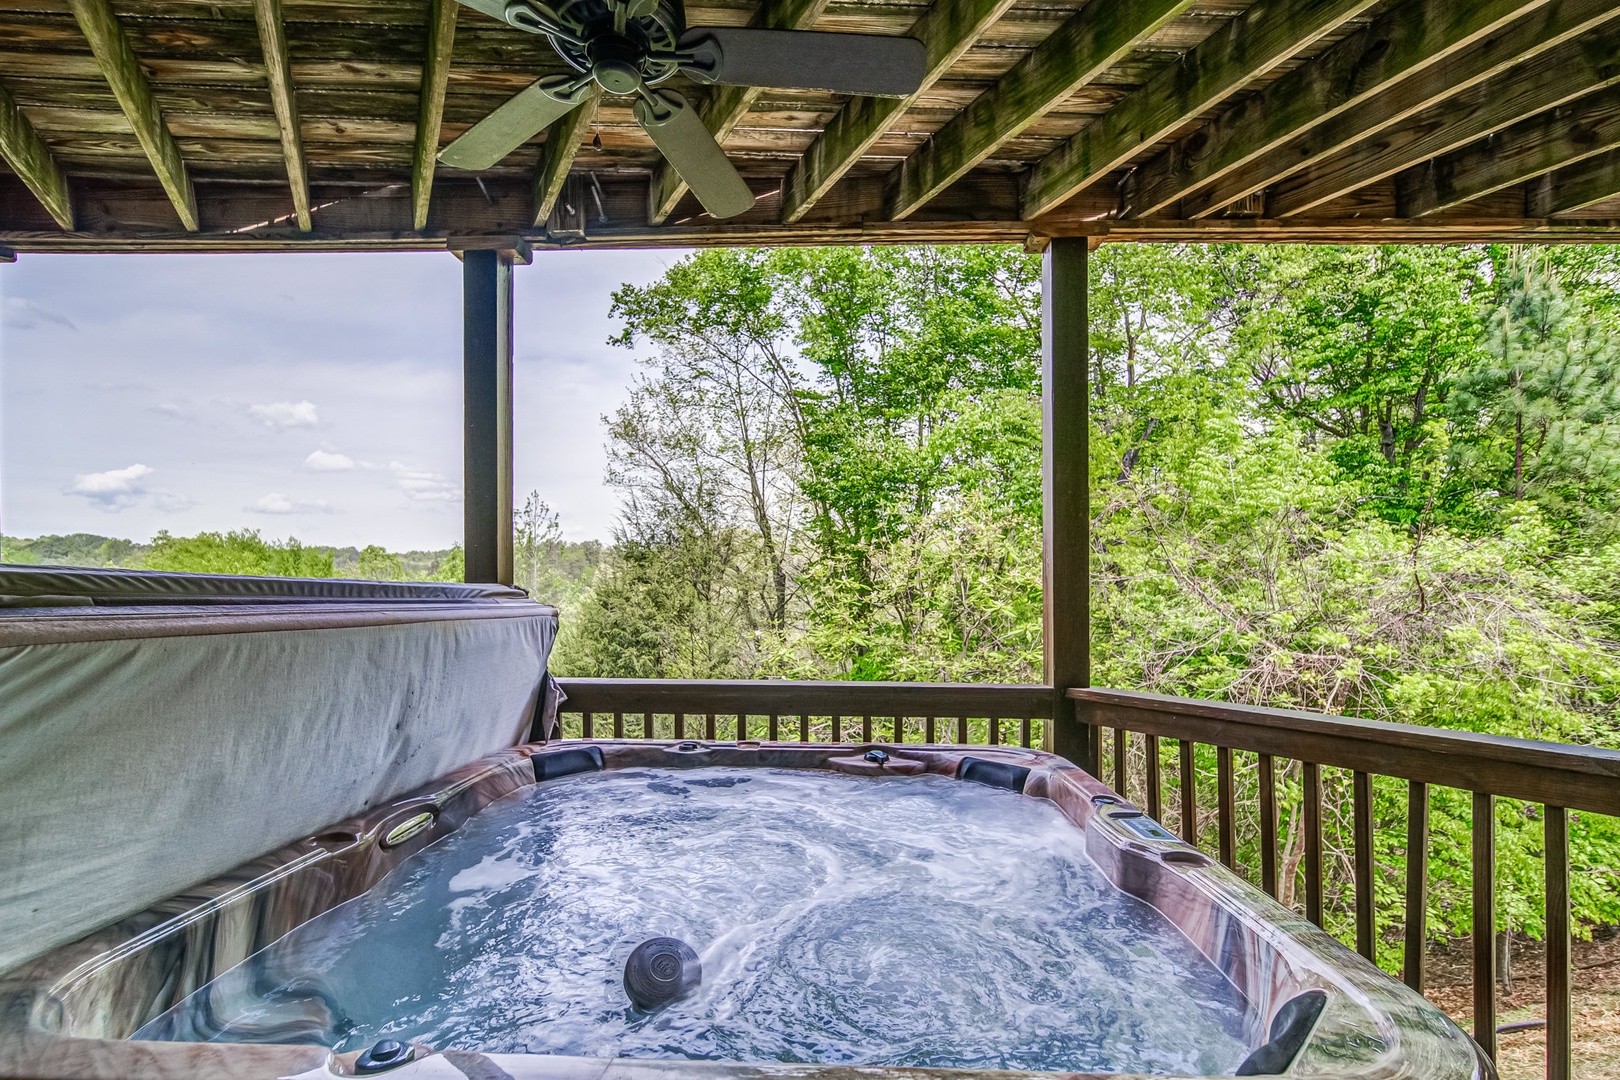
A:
<point x="872" y="65"/>
<point x="495" y="9"/>
<point x="514" y="123"/>
<point x="681" y="137"/>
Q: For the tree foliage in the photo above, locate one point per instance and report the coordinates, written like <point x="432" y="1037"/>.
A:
<point x="1372" y="481"/>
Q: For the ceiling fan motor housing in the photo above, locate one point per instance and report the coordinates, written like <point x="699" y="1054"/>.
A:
<point x="620" y="61"/>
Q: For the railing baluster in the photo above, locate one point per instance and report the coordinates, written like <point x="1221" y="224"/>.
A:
<point x="866" y="729"/>
<point x="1154" y="783"/>
<point x="742" y="726"/>
<point x="1189" y="795"/>
<point x="587" y="729"/>
<point x="993" y="728"/>
<point x="1226" y="808"/>
<point x="1122" y="750"/>
<point x="837" y="728"/>
<point x="1560" y="1065"/>
<point x="804" y="727"/>
<point x="708" y="727"/>
<point x="1417" y="883"/>
<point x="928" y="730"/>
<point x="618" y="725"/>
<point x="774" y="730"/>
<point x="1361" y="810"/>
<point x="1484" y="828"/>
<point x="647" y="725"/>
<point x="1268" y="825"/>
<point x="680" y="726"/>
<point x="1024" y="733"/>
<point x="961" y="731"/>
<point x="899" y="730"/>
<point x="1311" y="785"/>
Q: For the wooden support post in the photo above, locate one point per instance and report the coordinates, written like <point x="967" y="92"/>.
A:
<point x="486" y="285"/>
<point x="1066" y="495"/>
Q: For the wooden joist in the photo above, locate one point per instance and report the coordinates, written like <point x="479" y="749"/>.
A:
<point x="1545" y="28"/>
<point x="1405" y="39"/>
<point x="117" y="63"/>
<point x="948" y="30"/>
<point x="725" y="106"/>
<point x="1551" y="78"/>
<point x="557" y="156"/>
<point x="441" y="41"/>
<point x="1090" y="42"/>
<point x="1528" y="149"/>
<point x="31" y="159"/>
<point x="1245" y="48"/>
<point x="1575" y="187"/>
<point x="278" y="72"/>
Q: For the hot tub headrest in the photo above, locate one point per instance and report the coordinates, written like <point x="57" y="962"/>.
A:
<point x="1289" y="1030"/>
<point x="994" y="773"/>
<point x="560" y="763"/>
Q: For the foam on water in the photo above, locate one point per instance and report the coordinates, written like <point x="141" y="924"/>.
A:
<point x="840" y="919"/>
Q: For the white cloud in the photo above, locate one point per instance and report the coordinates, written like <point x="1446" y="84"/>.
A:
<point x="18" y="313"/>
<point x="422" y="485"/>
<point x="172" y="408"/>
<point x="321" y="461"/>
<point x="277" y="503"/>
<point x="286" y="414"/>
<point x="114" y="489"/>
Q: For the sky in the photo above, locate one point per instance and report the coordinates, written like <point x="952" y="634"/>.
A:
<point x="307" y="395"/>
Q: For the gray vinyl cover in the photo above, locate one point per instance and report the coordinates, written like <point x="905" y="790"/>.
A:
<point x="157" y="730"/>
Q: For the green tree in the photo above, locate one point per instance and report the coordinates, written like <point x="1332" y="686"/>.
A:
<point x="241" y="551"/>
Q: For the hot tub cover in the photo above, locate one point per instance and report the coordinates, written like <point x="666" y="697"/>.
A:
<point x="157" y="729"/>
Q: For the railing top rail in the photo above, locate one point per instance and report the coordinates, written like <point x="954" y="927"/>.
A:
<point x="761" y="696"/>
<point x="1580" y="777"/>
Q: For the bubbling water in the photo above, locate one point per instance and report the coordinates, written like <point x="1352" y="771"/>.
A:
<point x="839" y="920"/>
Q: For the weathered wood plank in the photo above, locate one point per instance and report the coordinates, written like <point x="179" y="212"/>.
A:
<point x="1090" y="42"/>
<point x="764" y="697"/>
<point x="31" y="159"/>
<point x="123" y="72"/>
<point x="1554" y="76"/>
<point x="557" y="156"/>
<point x="278" y="69"/>
<point x="947" y="31"/>
<point x="1250" y="45"/>
<point x="1575" y="187"/>
<point x="1558" y="137"/>
<point x="1407" y="38"/>
<point x="441" y="42"/>
<point x="725" y="106"/>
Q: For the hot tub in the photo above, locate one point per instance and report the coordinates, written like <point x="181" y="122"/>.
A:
<point x="1266" y="992"/>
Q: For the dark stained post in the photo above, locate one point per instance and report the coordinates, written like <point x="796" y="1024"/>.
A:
<point x="486" y="289"/>
<point x="1066" y="495"/>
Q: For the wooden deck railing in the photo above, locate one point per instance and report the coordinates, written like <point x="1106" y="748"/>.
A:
<point x="807" y="711"/>
<point x="1317" y="750"/>
<point x="1560" y="778"/>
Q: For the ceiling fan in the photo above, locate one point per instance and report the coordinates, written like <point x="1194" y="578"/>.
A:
<point x="629" y="47"/>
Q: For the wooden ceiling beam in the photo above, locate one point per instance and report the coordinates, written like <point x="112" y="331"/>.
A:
<point x="1523" y="151"/>
<point x="1094" y="39"/>
<point x="1245" y="48"/>
<point x="441" y="43"/>
<point x="31" y="159"/>
<point x="1551" y="78"/>
<point x="116" y="60"/>
<point x="948" y="30"/>
<point x="725" y="106"/>
<point x="557" y="156"/>
<point x="278" y="71"/>
<point x="1575" y="187"/>
<point x="1545" y="28"/>
<point x="1405" y="39"/>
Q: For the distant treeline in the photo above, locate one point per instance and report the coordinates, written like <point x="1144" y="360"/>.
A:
<point x="552" y="569"/>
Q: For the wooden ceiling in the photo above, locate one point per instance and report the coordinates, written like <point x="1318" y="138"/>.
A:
<point x="286" y="124"/>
